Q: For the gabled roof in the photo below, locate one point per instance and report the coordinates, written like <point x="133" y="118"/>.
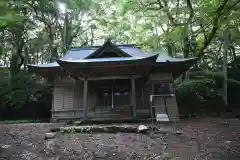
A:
<point x="127" y="50"/>
<point x="83" y="53"/>
<point x="108" y="45"/>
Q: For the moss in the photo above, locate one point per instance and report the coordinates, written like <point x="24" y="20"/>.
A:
<point x="99" y="129"/>
<point x="19" y="121"/>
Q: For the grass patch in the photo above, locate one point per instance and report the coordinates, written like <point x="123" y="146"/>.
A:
<point x="19" y="121"/>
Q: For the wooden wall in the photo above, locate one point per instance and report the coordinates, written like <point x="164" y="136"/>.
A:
<point x="68" y="98"/>
<point x="142" y="99"/>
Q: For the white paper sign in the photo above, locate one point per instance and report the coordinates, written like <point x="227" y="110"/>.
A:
<point x="162" y="117"/>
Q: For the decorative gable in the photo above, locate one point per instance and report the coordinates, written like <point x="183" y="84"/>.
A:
<point x="108" y="50"/>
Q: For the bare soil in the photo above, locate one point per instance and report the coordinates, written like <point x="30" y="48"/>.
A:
<point x="206" y="138"/>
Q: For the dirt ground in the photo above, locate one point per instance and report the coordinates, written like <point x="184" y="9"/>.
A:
<point x="205" y="138"/>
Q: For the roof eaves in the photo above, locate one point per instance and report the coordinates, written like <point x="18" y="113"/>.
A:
<point x="49" y="65"/>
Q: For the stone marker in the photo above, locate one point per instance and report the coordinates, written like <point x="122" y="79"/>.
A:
<point x="142" y="128"/>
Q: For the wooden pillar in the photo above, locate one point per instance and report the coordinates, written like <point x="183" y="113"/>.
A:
<point x="85" y="91"/>
<point x="133" y="97"/>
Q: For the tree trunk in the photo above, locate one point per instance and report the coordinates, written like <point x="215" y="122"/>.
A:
<point x="92" y="36"/>
<point x="54" y="54"/>
<point x="16" y="60"/>
<point x="232" y="47"/>
<point x="67" y="30"/>
<point x="186" y="50"/>
<point x="6" y="63"/>
<point x="26" y="57"/>
<point x="169" y="48"/>
<point x="225" y="62"/>
<point x="186" y="46"/>
<point x="13" y="65"/>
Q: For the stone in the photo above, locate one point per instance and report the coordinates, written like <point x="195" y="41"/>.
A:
<point x="178" y="133"/>
<point x="228" y="142"/>
<point x="158" y="157"/>
<point x="50" y="146"/>
<point x="5" y="146"/>
<point x="50" y="135"/>
<point x="78" y="122"/>
<point x="142" y="129"/>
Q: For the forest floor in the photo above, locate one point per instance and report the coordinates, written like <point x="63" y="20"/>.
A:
<point x="205" y="138"/>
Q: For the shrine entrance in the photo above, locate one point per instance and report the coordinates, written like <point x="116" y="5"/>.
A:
<point x="114" y="97"/>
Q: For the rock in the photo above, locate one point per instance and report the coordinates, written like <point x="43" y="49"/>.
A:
<point x="178" y="133"/>
<point x="5" y="146"/>
<point x="50" y="146"/>
<point x="78" y="122"/>
<point x="50" y="135"/>
<point x="158" y="157"/>
<point x="142" y="129"/>
<point x="227" y="142"/>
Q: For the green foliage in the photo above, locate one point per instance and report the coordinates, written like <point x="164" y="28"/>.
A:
<point x="36" y="31"/>
<point x="127" y="5"/>
<point x="11" y="15"/>
<point x="19" y="121"/>
<point x="22" y="89"/>
<point x="176" y="35"/>
<point x="209" y="6"/>
<point x="204" y="87"/>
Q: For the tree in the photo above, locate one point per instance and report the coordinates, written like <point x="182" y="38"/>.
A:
<point x="40" y="31"/>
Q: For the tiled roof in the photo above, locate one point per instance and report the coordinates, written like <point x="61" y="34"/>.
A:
<point x="79" y="55"/>
<point x="104" y="59"/>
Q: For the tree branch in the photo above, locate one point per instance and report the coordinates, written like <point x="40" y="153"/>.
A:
<point x="147" y="6"/>
<point x="214" y="29"/>
<point x="219" y="49"/>
<point x="232" y="6"/>
<point x="165" y="7"/>
<point x="204" y="32"/>
<point x="189" y="5"/>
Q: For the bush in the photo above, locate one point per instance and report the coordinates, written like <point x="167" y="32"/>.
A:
<point x="25" y="96"/>
<point x="197" y="96"/>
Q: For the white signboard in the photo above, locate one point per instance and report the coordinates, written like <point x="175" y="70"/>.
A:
<point x="162" y="117"/>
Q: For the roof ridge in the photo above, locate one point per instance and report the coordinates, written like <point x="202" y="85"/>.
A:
<point x="96" y="47"/>
<point x="79" y="48"/>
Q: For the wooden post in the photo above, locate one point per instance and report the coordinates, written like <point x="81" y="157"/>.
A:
<point x="112" y="95"/>
<point x="85" y="92"/>
<point x="133" y="97"/>
<point x="225" y="61"/>
<point x="62" y="90"/>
